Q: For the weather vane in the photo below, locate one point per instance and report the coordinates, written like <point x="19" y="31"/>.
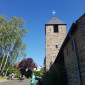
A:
<point x="53" y="13"/>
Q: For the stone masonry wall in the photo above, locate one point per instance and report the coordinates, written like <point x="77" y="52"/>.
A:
<point x="81" y="50"/>
<point x="69" y="56"/>
<point x="53" y="39"/>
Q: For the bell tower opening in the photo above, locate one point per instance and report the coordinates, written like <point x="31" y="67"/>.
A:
<point x="55" y="28"/>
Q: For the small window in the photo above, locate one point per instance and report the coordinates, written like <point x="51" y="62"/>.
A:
<point x="56" y="46"/>
<point x="55" y="28"/>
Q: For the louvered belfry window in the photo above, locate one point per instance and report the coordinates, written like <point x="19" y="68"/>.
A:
<point x="55" y="28"/>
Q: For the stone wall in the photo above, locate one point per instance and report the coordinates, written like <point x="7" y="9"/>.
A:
<point x="70" y="58"/>
<point x="53" y="39"/>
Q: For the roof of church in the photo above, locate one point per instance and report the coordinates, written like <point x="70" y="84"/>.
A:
<point x="54" y="20"/>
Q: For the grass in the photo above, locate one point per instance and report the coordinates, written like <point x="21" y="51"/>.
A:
<point x="5" y="77"/>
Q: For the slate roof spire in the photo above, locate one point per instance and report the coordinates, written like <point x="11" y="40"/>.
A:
<point x="54" y="20"/>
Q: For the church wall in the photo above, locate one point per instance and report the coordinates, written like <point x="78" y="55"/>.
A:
<point x="81" y="50"/>
<point x="70" y="59"/>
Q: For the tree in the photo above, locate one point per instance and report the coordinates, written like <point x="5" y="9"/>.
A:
<point x="11" y="35"/>
<point x="27" y="64"/>
<point x="44" y="63"/>
<point x="4" y="62"/>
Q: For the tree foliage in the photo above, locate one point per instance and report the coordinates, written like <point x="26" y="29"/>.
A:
<point x="11" y="36"/>
<point x="27" y="64"/>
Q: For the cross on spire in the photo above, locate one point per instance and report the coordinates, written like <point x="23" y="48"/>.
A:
<point x="53" y="13"/>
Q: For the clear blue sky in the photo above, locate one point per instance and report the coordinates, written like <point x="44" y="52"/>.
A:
<point x="37" y="13"/>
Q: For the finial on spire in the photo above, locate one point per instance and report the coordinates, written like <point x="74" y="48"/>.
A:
<point x="53" y="13"/>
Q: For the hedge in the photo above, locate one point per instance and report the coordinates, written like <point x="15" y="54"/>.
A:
<point x="38" y="73"/>
<point x="13" y="70"/>
<point x="55" y="76"/>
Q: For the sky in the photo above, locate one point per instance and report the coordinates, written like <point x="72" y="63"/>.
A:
<point x="37" y="13"/>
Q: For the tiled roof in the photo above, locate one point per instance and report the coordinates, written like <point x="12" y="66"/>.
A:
<point x="54" y="20"/>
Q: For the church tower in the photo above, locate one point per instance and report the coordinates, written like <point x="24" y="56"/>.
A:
<point x="55" y="31"/>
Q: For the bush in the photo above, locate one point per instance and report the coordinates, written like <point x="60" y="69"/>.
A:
<point x="14" y="70"/>
<point x="38" y="73"/>
<point x="28" y="73"/>
<point x="23" y="71"/>
<point x="55" y="76"/>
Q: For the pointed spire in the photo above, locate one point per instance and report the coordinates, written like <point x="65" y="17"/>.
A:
<point x="54" y="20"/>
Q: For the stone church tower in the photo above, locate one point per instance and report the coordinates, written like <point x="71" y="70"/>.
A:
<point x="55" y="31"/>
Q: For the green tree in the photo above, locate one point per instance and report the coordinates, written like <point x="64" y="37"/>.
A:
<point x="44" y="63"/>
<point x="11" y="34"/>
<point x="4" y="61"/>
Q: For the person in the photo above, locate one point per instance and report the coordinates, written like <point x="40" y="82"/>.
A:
<point x="20" y="78"/>
<point x="9" y="77"/>
<point x="3" y="74"/>
<point x="23" y="77"/>
<point x="33" y="79"/>
<point x="12" y="76"/>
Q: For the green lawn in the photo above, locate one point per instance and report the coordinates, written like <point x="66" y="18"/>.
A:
<point x="4" y="77"/>
<point x="7" y="77"/>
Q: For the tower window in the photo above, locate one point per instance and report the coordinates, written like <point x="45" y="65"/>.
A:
<point x="56" y="46"/>
<point x="55" y="28"/>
